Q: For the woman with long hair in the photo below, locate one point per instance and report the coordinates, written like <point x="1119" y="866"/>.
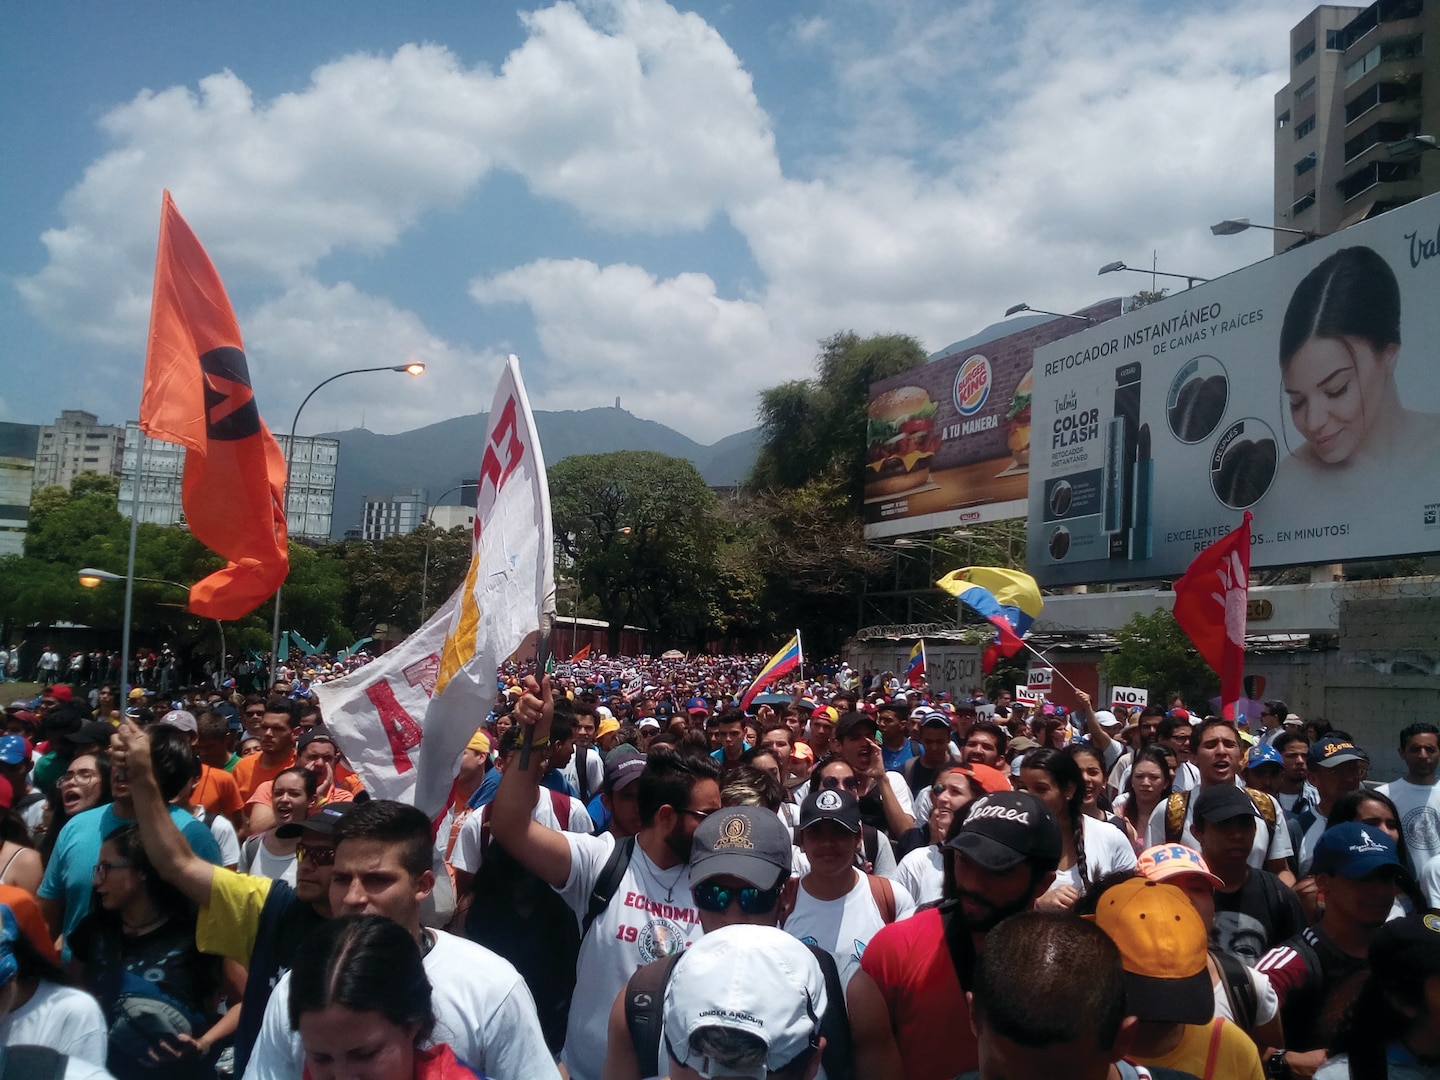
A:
<point x="1095" y="804"/>
<point x="266" y="855"/>
<point x="1392" y="1029"/>
<point x="360" y="999"/>
<point x="1148" y="786"/>
<point x="1370" y="807"/>
<point x="136" y="954"/>
<point x="1091" y="848"/>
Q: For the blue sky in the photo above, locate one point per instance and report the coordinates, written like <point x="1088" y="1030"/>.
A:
<point x="666" y="203"/>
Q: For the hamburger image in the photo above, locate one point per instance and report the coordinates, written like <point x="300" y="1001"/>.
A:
<point x="1019" y="417"/>
<point x="900" y="441"/>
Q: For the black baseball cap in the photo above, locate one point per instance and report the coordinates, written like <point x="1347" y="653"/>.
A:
<point x="747" y="842"/>
<point x="315" y="734"/>
<point x="322" y="821"/>
<point x="1223" y="802"/>
<point x="851" y="722"/>
<point x="830" y="804"/>
<point x="92" y="731"/>
<point x="1007" y="828"/>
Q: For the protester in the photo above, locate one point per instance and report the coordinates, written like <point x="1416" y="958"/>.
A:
<point x="922" y="870"/>
<point x="1416" y="795"/>
<point x="1146" y="787"/>
<point x="636" y="917"/>
<point x="1393" y="1029"/>
<point x="361" y="998"/>
<point x="1317" y="972"/>
<point x="1163" y="949"/>
<point x="383" y="866"/>
<point x="1091" y="849"/>
<point x="44" y="1009"/>
<point x="917" y="970"/>
<point x="277" y="731"/>
<point x="1336" y="766"/>
<point x="838" y="907"/>
<point x="1036" y="1019"/>
<point x="745" y="1001"/>
<point x="267" y="854"/>
<point x="876" y="854"/>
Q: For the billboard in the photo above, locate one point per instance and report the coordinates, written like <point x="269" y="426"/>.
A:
<point x="949" y="443"/>
<point x="1305" y="388"/>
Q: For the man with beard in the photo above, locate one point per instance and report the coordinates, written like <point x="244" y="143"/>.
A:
<point x="633" y="893"/>
<point x="919" y="969"/>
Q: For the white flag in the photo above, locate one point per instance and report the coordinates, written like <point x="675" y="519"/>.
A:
<point x="511" y="580"/>
<point x="376" y="711"/>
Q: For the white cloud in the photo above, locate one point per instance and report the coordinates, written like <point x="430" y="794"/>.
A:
<point x="313" y="331"/>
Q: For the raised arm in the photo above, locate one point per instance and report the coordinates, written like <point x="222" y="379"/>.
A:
<point x="541" y="850"/>
<point x="1099" y="739"/>
<point x="165" y="845"/>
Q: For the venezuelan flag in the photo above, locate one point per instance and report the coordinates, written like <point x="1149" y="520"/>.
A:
<point x="787" y="659"/>
<point x="915" y="669"/>
<point x="1008" y="599"/>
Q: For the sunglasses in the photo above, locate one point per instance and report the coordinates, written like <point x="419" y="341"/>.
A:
<point x="315" y="856"/>
<point x="712" y="897"/>
<point x="850" y="783"/>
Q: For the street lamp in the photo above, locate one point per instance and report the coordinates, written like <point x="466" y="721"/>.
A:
<point x="415" y="367"/>
<point x="425" y="572"/>
<point x="1231" y="226"/>
<point x="1017" y="308"/>
<point x="92" y="578"/>
<point x="1191" y="279"/>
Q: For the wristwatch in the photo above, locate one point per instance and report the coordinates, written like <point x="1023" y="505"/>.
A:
<point x="1276" y="1067"/>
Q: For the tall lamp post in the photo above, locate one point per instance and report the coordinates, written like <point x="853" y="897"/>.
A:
<point x="425" y="571"/>
<point x="415" y="368"/>
<point x="1190" y="279"/>
<point x="91" y="578"/>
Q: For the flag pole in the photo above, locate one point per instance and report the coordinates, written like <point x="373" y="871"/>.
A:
<point x="800" y="651"/>
<point x="542" y="657"/>
<point x="1053" y="667"/>
<point x="130" y="571"/>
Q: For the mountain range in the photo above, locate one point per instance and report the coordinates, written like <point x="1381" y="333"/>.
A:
<point x="446" y="455"/>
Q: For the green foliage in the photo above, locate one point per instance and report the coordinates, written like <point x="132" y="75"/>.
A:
<point x="1144" y="298"/>
<point x="814" y="429"/>
<point x="1152" y="651"/>
<point x="640" y="535"/>
<point x="388" y="584"/>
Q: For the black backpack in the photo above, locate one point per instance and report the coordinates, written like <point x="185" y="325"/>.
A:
<point x="517" y="915"/>
<point x="645" y="999"/>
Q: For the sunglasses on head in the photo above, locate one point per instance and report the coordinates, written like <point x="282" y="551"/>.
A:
<point x="753" y="901"/>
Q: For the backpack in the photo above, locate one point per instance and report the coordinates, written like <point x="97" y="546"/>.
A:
<point x="517" y="915"/>
<point x="1178" y="805"/>
<point x="645" y="998"/>
<point x="1239" y="990"/>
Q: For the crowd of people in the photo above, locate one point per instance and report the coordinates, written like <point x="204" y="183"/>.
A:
<point x="851" y="878"/>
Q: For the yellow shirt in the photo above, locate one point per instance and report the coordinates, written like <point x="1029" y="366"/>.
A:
<point x="227" y="925"/>
<point x="1236" y="1058"/>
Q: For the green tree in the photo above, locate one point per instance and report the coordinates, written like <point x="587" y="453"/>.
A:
<point x="814" y="429"/>
<point x="387" y="583"/>
<point x="1152" y="651"/>
<point x="639" y="533"/>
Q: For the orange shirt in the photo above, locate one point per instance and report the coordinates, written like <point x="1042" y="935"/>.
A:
<point x="217" y="792"/>
<point x="250" y="774"/>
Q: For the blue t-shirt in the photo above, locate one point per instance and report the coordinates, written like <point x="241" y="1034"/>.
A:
<point x="70" y="876"/>
<point x="895" y="759"/>
<point x="485" y="793"/>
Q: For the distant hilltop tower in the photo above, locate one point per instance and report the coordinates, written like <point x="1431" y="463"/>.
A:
<point x="617" y="402"/>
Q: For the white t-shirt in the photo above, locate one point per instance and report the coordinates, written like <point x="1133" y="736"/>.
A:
<point x="1107" y="850"/>
<point x="594" y="770"/>
<point x="651" y="916"/>
<point x="266" y="864"/>
<point x="1419" y="806"/>
<point x="483" y="1011"/>
<point x="1187" y="776"/>
<point x="225" y="836"/>
<point x="1267" y="1003"/>
<point x="1307" y="792"/>
<point x="468" y="854"/>
<point x="1269" y="843"/>
<point x="62" y="1018"/>
<point x="922" y="873"/>
<point x="845" y="926"/>
<point x="1429" y="877"/>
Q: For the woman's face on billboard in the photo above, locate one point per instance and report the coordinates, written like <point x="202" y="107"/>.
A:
<point x="1337" y="393"/>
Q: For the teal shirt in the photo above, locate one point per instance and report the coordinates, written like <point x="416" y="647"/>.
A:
<point x="70" y="875"/>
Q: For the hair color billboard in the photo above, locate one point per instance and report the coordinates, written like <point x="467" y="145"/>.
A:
<point x="1304" y="388"/>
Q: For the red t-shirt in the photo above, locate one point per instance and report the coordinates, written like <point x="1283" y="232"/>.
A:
<point x="911" y="965"/>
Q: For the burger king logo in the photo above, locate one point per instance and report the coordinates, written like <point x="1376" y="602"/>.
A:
<point x="972" y="386"/>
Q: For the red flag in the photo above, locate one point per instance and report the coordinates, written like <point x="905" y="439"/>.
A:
<point x="583" y="654"/>
<point x="1210" y="607"/>
<point x="197" y="393"/>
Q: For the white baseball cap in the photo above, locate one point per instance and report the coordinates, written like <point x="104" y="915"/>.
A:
<point x="755" y="979"/>
<point x="1106" y="718"/>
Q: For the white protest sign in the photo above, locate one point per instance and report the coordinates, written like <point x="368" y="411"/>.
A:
<point x="1129" y="696"/>
<point x="1038" y="679"/>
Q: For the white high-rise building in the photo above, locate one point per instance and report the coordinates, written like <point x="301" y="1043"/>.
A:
<point x="76" y="443"/>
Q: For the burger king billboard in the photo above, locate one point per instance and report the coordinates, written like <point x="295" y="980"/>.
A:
<point x="948" y="443"/>
<point x="1304" y="389"/>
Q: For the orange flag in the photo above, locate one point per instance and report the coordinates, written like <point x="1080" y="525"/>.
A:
<point x="197" y="393"/>
<point x="583" y="654"/>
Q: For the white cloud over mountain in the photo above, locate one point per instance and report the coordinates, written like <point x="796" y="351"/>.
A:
<point x="980" y="158"/>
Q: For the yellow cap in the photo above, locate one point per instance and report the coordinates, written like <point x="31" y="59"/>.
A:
<point x="479" y="742"/>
